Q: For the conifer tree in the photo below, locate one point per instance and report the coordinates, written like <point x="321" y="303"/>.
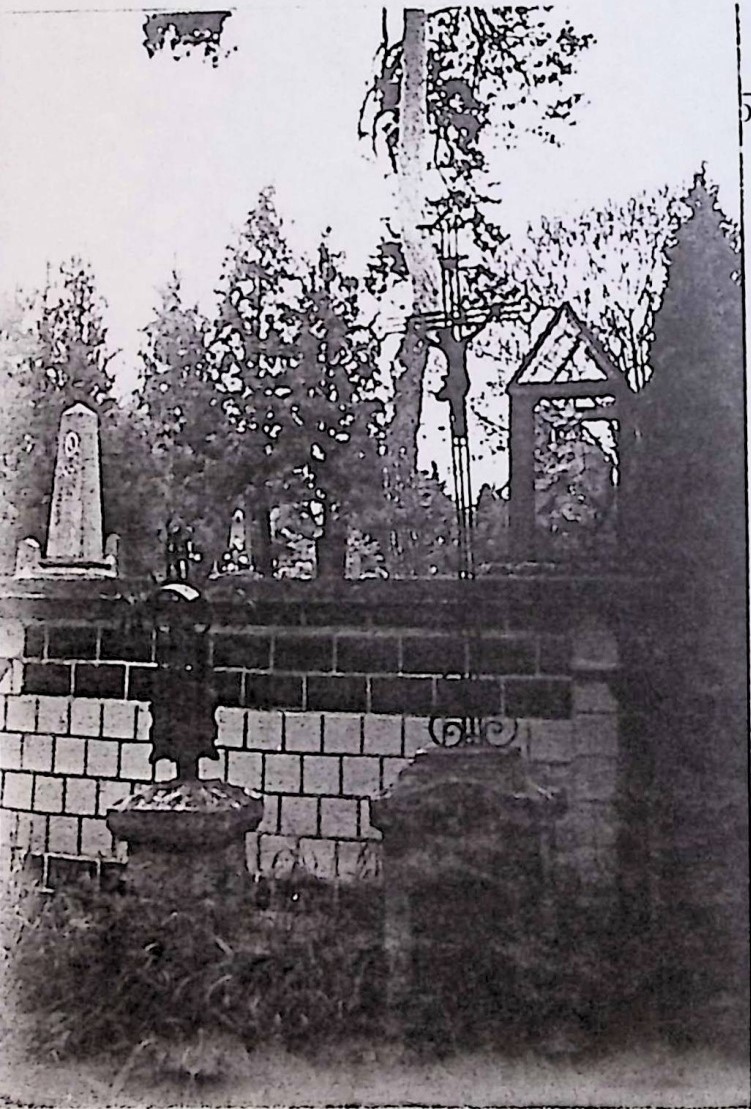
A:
<point x="179" y="402"/>
<point x="335" y="403"/>
<point x="254" y="353"/>
<point x="688" y="481"/>
<point x="59" y="357"/>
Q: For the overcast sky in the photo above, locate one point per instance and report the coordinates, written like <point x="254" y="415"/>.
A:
<point x="143" y="165"/>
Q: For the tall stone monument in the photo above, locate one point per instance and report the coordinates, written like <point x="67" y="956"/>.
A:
<point x="75" y="542"/>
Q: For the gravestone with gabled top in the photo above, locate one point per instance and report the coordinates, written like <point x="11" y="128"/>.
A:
<point x="75" y="541"/>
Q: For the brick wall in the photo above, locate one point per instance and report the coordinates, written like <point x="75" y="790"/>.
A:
<point x="322" y="702"/>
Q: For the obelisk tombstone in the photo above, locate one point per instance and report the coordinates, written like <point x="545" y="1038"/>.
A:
<point x="75" y="541"/>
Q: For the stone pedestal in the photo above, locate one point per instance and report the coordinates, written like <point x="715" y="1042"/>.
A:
<point x="466" y="876"/>
<point x="186" y="838"/>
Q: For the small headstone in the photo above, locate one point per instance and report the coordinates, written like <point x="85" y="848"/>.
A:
<point x="28" y="559"/>
<point x="112" y="549"/>
<point x="75" y="546"/>
<point x="237" y="531"/>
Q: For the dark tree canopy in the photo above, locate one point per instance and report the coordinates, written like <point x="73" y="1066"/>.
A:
<point x="686" y="490"/>
<point x="690" y="469"/>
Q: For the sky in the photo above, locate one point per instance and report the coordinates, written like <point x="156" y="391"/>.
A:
<point x="143" y="165"/>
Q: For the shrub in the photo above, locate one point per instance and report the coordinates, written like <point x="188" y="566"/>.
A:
<point x="96" y="971"/>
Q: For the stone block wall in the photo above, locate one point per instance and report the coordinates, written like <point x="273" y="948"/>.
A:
<point x="322" y="703"/>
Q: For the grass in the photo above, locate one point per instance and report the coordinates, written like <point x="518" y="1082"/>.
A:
<point x="277" y="999"/>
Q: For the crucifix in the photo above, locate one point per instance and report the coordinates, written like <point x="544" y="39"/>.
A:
<point x="451" y="330"/>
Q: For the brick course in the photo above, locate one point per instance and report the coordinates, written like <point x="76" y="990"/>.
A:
<point x="299" y="816"/>
<point x="10" y="751"/>
<point x="339" y="817"/>
<point x="321" y="774"/>
<point x="302" y="732"/>
<point x="80" y="796"/>
<point x="102" y="758"/>
<point x="17" y="790"/>
<point x="321" y="702"/>
<point x="48" y="794"/>
<point x="342" y="734"/>
<point x="21" y="714"/>
<point x="244" y="768"/>
<point x="361" y="775"/>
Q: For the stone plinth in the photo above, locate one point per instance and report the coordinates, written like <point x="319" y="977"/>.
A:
<point x="186" y="837"/>
<point x="466" y="875"/>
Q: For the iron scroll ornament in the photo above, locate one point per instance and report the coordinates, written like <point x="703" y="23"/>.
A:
<point x="471" y="731"/>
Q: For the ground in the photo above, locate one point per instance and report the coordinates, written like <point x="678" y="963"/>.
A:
<point x="361" y="1075"/>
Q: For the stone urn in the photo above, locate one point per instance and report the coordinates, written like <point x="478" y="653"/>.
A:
<point x="186" y="837"/>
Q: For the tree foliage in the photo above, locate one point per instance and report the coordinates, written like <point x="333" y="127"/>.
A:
<point x="609" y="264"/>
<point x="457" y="81"/>
<point x="269" y="402"/>
<point x="689" y="470"/>
<point x="178" y="404"/>
<point x="56" y="355"/>
<point x="501" y="69"/>
<point x="182" y="33"/>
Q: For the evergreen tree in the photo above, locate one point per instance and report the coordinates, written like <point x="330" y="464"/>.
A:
<point x="178" y="408"/>
<point x="17" y="346"/>
<point x="254" y="350"/>
<point x="335" y="404"/>
<point x="688" y="524"/>
<point x="58" y="358"/>
<point x="688" y="476"/>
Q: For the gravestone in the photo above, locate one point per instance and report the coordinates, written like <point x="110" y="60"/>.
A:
<point x="466" y="867"/>
<point x="237" y="531"/>
<point x="237" y="556"/>
<point x="75" y="543"/>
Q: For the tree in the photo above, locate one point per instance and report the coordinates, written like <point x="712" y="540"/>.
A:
<point x="688" y="525"/>
<point x="335" y="403"/>
<point x="254" y="352"/>
<point x="178" y="407"/>
<point x="17" y="347"/>
<point x="58" y="357"/>
<point x="609" y="264"/>
<point x="452" y="76"/>
<point x="688" y="478"/>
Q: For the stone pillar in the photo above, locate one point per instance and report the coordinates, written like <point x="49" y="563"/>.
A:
<point x="589" y="830"/>
<point x="522" y="476"/>
<point x="75" y="540"/>
<point x="75" y="527"/>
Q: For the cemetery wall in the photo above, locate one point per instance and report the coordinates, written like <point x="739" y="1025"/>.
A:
<point x="324" y="694"/>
